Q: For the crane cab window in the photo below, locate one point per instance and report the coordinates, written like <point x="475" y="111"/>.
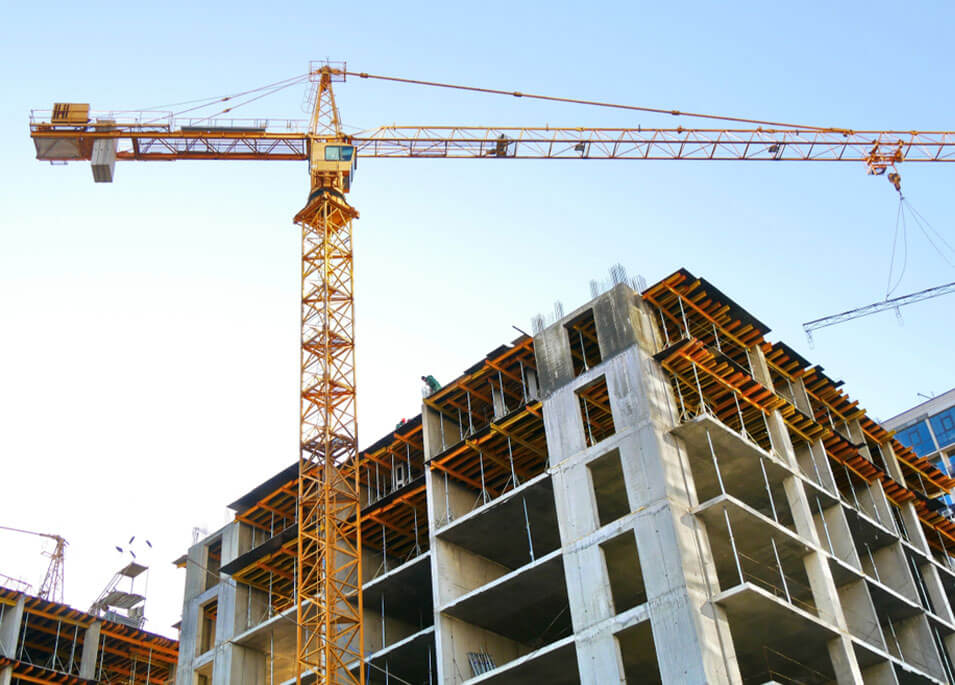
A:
<point x="339" y="153"/>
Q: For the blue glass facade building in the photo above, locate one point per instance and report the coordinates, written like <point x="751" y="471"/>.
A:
<point x="929" y="429"/>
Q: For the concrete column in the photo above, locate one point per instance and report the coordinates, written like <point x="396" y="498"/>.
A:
<point x="892" y="462"/>
<point x="823" y="585"/>
<point x="802" y="396"/>
<point x="913" y="527"/>
<point x="936" y="592"/>
<point x="835" y="537"/>
<point x="599" y="661"/>
<point x="10" y="627"/>
<point x="235" y="665"/>
<point x="841" y="651"/>
<point x="6" y="675"/>
<point x="918" y="647"/>
<point x="861" y="617"/>
<point x="691" y="635"/>
<point x="892" y="569"/>
<point x="90" y="656"/>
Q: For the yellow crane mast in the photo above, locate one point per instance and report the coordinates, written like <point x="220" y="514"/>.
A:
<point x="328" y="572"/>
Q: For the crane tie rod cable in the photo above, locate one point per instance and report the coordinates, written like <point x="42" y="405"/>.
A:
<point x="595" y="103"/>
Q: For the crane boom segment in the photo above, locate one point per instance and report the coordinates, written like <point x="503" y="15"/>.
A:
<point x="244" y="142"/>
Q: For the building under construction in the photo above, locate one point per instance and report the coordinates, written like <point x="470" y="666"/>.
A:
<point x="646" y="490"/>
<point x="42" y="641"/>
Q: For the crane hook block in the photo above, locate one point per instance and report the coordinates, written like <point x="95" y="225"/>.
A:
<point x="896" y="180"/>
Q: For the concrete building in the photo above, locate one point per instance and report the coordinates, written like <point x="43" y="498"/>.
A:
<point x="645" y="491"/>
<point x="929" y="429"/>
<point x="50" y="642"/>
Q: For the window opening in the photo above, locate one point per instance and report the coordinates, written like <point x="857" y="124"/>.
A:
<point x="595" y="411"/>
<point x="213" y="562"/>
<point x="610" y="492"/>
<point x="624" y="572"/>
<point x="584" y="349"/>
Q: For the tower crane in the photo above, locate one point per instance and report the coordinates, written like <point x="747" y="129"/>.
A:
<point x="52" y="586"/>
<point x="329" y="633"/>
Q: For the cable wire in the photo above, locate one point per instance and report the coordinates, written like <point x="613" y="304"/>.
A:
<point x="932" y="242"/>
<point x="921" y="218"/>
<point x="245" y="102"/>
<point x="595" y="103"/>
<point x="899" y="220"/>
<point x="208" y="102"/>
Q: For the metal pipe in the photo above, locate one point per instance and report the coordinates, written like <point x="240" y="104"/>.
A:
<point x="825" y="526"/>
<point x="500" y="382"/>
<point x="583" y="350"/>
<point x="780" y="567"/>
<point x="699" y="388"/>
<point x="663" y="323"/>
<point x="686" y="326"/>
<point x="716" y="465"/>
<point x="483" y="485"/>
<point x="769" y="491"/>
<point x="384" y="547"/>
<point x="739" y="413"/>
<point x="527" y="527"/>
<point x="447" y="499"/>
<point x="875" y="569"/>
<point x="76" y="630"/>
<point x="523" y="387"/>
<point x="679" y="394"/>
<point x="769" y="433"/>
<point x="470" y="417"/>
<point x="590" y="432"/>
<point x="510" y="457"/>
<point x="56" y="644"/>
<point x="729" y="529"/>
<point x="417" y="546"/>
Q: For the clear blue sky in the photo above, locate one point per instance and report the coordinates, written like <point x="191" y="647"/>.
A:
<point x="148" y="362"/>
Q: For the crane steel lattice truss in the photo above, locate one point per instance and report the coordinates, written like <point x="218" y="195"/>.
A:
<point x="52" y="586"/>
<point x="329" y="542"/>
<point x="895" y="303"/>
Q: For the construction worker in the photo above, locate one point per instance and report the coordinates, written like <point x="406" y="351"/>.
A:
<point x="432" y="384"/>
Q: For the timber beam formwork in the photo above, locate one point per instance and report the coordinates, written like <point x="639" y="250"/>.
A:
<point x="491" y="435"/>
<point x="394" y="520"/>
<point x="707" y="340"/>
<point x="51" y="644"/>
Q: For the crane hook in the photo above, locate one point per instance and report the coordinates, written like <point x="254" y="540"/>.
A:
<point x="896" y="180"/>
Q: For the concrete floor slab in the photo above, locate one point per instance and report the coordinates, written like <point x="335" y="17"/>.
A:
<point x="528" y="605"/>
<point x="409" y="660"/>
<point x="843" y="573"/>
<point x="866" y="530"/>
<point x="555" y="664"/>
<point x="889" y="603"/>
<point x="739" y="464"/>
<point x="497" y="530"/>
<point x="753" y="534"/>
<point x="407" y="592"/>
<point x="769" y="633"/>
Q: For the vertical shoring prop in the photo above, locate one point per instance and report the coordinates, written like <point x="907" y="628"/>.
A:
<point x="329" y="632"/>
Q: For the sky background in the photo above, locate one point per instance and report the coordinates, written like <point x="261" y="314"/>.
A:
<point x="149" y="328"/>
